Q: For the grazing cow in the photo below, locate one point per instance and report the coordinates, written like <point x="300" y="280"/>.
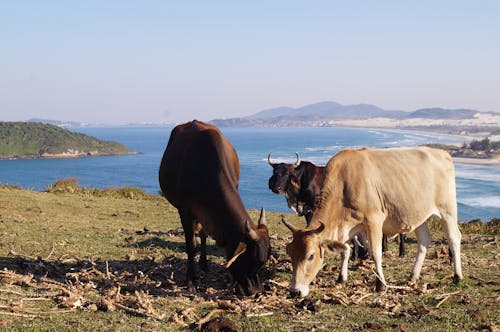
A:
<point x="301" y="183"/>
<point x="377" y="191"/>
<point x="199" y="175"/>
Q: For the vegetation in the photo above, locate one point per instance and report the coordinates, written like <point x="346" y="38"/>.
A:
<point x="89" y="260"/>
<point x="34" y="140"/>
<point x="475" y="149"/>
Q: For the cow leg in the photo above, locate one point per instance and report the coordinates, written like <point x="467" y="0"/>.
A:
<point x="384" y="243"/>
<point x="423" y="242"/>
<point x="454" y="238"/>
<point x="375" y="243"/>
<point x="203" y="251"/>
<point x="355" y="250"/>
<point x="402" y="238"/>
<point x="345" y="264"/>
<point x="188" y="226"/>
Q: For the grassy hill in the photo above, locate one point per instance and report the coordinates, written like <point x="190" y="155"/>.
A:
<point x="35" y="140"/>
<point x="116" y="261"/>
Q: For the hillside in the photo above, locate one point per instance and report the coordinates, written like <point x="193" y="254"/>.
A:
<point x="39" y="140"/>
<point x="109" y="263"/>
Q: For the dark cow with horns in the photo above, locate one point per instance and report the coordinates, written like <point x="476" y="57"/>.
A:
<point x="199" y="175"/>
<point x="300" y="182"/>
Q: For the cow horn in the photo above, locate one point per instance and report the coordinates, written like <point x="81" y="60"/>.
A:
<point x="252" y="234"/>
<point x="269" y="159"/>
<point x="297" y="163"/>
<point x="320" y="228"/>
<point x="290" y="226"/>
<point x="262" y="218"/>
<point x="240" y="249"/>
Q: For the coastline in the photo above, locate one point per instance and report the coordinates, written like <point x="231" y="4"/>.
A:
<point x="477" y="161"/>
<point x="67" y="156"/>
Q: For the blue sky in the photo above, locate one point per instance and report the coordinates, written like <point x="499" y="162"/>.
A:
<point x="171" y="61"/>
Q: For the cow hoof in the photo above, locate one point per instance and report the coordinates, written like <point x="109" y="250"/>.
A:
<point x="456" y="279"/>
<point x="379" y="286"/>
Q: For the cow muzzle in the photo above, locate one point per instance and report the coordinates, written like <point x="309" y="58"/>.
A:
<point x="299" y="291"/>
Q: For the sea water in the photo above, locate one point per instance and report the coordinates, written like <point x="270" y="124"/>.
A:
<point x="478" y="187"/>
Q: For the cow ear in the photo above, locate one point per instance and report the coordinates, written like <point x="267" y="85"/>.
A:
<point x="240" y="249"/>
<point x="333" y="246"/>
<point x="295" y="182"/>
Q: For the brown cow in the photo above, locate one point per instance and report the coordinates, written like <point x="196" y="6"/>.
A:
<point x="377" y="191"/>
<point x="199" y="175"/>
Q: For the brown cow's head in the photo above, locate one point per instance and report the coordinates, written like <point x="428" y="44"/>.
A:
<point x="281" y="173"/>
<point x="307" y="251"/>
<point x="249" y="257"/>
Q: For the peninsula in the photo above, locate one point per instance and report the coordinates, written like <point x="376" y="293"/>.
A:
<point x="40" y="140"/>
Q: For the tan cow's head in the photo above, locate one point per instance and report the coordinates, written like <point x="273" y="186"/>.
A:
<point x="307" y="251"/>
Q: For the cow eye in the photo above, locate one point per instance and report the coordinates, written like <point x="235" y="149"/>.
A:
<point x="311" y="257"/>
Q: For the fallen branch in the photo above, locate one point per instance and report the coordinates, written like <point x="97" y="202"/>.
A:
<point x="138" y="312"/>
<point x="278" y="284"/>
<point x="51" y="252"/>
<point x="16" y="314"/>
<point x="387" y="286"/>
<point x="208" y="317"/>
<point x="358" y="301"/>
<point x="269" y="313"/>
<point x="11" y="292"/>
<point x="442" y="301"/>
<point x="438" y="297"/>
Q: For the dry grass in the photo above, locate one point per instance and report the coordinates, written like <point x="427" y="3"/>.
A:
<point x="91" y="261"/>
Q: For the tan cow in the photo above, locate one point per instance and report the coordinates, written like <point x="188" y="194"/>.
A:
<point x="377" y="191"/>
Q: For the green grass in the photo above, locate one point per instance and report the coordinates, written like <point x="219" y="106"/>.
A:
<point x="100" y="243"/>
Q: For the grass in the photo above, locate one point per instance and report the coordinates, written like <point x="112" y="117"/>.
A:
<point x="84" y="260"/>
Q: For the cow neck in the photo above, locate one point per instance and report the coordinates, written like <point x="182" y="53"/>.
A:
<point x="233" y="214"/>
<point x="329" y="210"/>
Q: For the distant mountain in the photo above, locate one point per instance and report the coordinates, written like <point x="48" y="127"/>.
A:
<point x="441" y="113"/>
<point x="330" y="113"/>
<point x="40" y="140"/>
<point x="328" y="110"/>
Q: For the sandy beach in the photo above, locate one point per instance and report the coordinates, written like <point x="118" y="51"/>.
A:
<point x="478" y="161"/>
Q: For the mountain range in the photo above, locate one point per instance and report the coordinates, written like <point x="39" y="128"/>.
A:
<point x="332" y="113"/>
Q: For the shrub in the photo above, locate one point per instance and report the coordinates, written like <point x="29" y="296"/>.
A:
<point x="68" y="185"/>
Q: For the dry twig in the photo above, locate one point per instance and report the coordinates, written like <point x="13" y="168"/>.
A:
<point x="208" y="317"/>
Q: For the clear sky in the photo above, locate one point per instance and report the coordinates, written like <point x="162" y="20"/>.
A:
<point x="170" y="61"/>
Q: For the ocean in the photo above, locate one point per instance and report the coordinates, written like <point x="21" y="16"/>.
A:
<point x="478" y="187"/>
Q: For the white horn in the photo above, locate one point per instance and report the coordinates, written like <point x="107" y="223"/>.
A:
<point x="262" y="218"/>
<point x="297" y="163"/>
<point x="269" y="159"/>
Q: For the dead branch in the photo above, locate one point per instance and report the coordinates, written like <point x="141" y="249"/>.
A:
<point x="442" y="301"/>
<point x="108" y="275"/>
<point x="11" y="292"/>
<point x="16" y="314"/>
<point x="358" y="301"/>
<point x="269" y="313"/>
<point x="438" y="297"/>
<point x="139" y="312"/>
<point x="51" y="252"/>
<point x="282" y="285"/>
<point x="208" y="317"/>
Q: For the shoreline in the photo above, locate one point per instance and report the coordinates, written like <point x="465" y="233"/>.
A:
<point x="477" y="161"/>
<point x="68" y="156"/>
